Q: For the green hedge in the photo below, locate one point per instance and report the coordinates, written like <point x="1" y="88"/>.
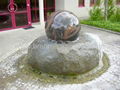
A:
<point x="114" y="26"/>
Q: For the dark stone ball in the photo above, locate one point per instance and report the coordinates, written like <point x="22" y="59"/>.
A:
<point x="62" y="26"/>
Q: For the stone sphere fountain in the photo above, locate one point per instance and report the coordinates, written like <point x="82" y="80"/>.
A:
<point x="65" y="50"/>
<point x="65" y="57"/>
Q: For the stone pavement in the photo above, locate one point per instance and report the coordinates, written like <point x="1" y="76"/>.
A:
<point x="11" y="41"/>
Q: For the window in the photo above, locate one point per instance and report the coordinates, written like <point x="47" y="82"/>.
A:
<point x="81" y="3"/>
<point x="34" y="10"/>
<point x="118" y="1"/>
<point x="49" y="7"/>
<point x="92" y="2"/>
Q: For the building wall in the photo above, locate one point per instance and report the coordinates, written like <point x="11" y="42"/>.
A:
<point x="59" y="4"/>
<point x="70" y="5"/>
<point x="73" y="6"/>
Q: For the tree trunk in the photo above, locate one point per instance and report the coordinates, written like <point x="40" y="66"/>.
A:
<point x="106" y="9"/>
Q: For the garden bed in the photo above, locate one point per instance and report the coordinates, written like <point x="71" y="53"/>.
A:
<point x="114" y="26"/>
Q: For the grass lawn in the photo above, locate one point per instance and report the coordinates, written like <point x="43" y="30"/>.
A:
<point x="114" y="26"/>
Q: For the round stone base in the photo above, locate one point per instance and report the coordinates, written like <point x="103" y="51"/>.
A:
<point x="71" y="58"/>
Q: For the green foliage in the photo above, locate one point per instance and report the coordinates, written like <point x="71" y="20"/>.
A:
<point x="116" y="16"/>
<point x="111" y="8"/>
<point x="103" y="24"/>
<point x="98" y="2"/>
<point x="96" y="14"/>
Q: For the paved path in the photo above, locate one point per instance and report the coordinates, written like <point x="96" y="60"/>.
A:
<point x="11" y="41"/>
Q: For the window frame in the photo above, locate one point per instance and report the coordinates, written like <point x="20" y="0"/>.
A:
<point x="118" y="2"/>
<point x="93" y="3"/>
<point x="48" y="8"/>
<point x="81" y="5"/>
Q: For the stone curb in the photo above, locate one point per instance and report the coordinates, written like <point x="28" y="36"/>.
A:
<point x="101" y="29"/>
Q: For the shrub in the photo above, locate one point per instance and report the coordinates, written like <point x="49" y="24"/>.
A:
<point x="111" y="8"/>
<point x="96" y="14"/>
<point x="115" y="17"/>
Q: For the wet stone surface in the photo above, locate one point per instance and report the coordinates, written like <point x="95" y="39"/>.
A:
<point x="12" y="79"/>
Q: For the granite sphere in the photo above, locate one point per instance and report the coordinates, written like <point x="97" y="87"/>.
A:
<point x="62" y="25"/>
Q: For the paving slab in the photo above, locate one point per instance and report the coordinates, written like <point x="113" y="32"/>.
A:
<point x="15" y="39"/>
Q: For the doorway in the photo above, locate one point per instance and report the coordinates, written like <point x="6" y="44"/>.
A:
<point x="14" y="14"/>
